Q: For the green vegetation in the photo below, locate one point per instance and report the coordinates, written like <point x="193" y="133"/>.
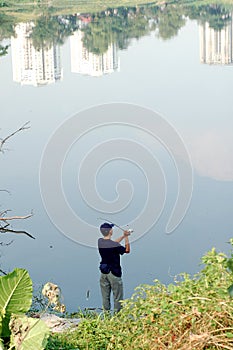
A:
<point x="3" y="50"/>
<point x="114" y="25"/>
<point x="18" y="331"/>
<point x="6" y="26"/>
<point x="117" y="26"/>
<point x="192" y="313"/>
<point x="120" y="25"/>
<point x="24" y="10"/>
<point x="50" y="31"/>
<point x="170" y="21"/>
<point x="27" y="9"/>
<point x="216" y="15"/>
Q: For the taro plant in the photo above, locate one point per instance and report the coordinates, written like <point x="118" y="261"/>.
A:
<point x="17" y="331"/>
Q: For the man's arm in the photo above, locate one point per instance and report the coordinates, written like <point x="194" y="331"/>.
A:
<point x="126" y="238"/>
<point x="127" y="245"/>
<point x="119" y="239"/>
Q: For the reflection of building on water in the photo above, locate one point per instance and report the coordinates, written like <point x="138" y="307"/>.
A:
<point x="85" y="62"/>
<point x="31" y="66"/>
<point x="216" y="46"/>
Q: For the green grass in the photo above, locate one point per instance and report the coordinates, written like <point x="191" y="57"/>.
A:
<point x="193" y="313"/>
<point x="29" y="9"/>
<point x="66" y="7"/>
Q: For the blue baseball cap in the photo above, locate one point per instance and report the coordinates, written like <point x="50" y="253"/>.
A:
<point x="106" y="227"/>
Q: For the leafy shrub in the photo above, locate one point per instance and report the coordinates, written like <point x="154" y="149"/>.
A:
<point x="192" y="313"/>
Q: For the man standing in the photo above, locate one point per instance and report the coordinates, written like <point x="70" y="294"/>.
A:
<point x="110" y="279"/>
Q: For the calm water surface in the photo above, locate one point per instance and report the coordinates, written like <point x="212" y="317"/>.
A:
<point x="186" y="78"/>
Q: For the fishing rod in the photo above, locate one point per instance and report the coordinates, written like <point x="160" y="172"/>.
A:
<point x="130" y="230"/>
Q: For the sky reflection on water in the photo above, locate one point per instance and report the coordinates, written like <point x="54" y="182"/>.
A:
<point x="166" y="76"/>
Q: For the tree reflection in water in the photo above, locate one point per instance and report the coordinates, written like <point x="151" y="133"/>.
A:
<point x="116" y="26"/>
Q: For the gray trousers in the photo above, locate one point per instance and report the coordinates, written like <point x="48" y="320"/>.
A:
<point x="108" y="283"/>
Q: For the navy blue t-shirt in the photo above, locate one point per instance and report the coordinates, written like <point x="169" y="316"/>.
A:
<point x="110" y="252"/>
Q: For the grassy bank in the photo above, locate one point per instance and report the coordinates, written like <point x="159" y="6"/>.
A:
<point x="17" y="8"/>
<point x="193" y="313"/>
<point x="28" y="9"/>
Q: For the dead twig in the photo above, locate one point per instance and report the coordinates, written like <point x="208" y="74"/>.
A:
<point x="5" y="191"/>
<point x="6" y="244"/>
<point x="16" y="217"/>
<point x="4" y="140"/>
<point x="4" y="220"/>
<point x="5" y="229"/>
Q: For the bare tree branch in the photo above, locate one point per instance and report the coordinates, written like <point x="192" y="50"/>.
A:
<point x="5" y="229"/>
<point x="3" y="141"/>
<point x="5" y="191"/>
<point x="6" y="244"/>
<point x="16" y="217"/>
<point x="4" y="224"/>
<point x="3" y="213"/>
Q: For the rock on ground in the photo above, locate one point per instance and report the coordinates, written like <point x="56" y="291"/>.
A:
<point x="58" y="324"/>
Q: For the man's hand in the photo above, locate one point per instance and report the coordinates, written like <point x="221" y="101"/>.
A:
<point x="127" y="233"/>
<point x="125" y="236"/>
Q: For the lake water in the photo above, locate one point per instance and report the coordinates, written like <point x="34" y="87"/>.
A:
<point x="181" y="73"/>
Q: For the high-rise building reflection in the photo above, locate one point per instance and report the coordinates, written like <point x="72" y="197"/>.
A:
<point x="216" y="45"/>
<point x="32" y="66"/>
<point x="85" y="62"/>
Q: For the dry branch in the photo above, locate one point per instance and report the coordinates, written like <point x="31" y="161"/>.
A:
<point x="5" y="191"/>
<point x="4" y="225"/>
<point x="5" y="229"/>
<point x="16" y="217"/>
<point x="3" y="141"/>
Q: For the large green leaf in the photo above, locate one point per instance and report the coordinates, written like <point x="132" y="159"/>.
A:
<point x="28" y="333"/>
<point x="15" y="296"/>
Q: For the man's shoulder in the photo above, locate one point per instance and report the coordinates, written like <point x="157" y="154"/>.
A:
<point x="100" y="241"/>
<point x="107" y="243"/>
